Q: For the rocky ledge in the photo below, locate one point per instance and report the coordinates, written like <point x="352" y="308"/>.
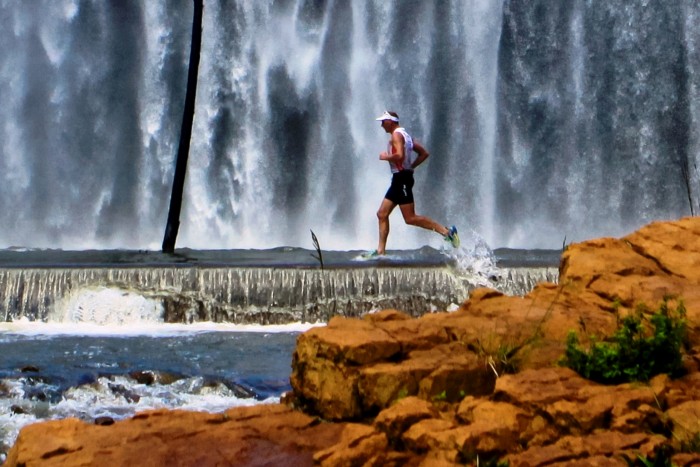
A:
<point x="479" y="385"/>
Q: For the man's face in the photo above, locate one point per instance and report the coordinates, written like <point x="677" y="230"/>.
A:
<point x="386" y="124"/>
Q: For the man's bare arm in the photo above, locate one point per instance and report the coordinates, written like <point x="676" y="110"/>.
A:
<point x="422" y="154"/>
<point x="399" y="146"/>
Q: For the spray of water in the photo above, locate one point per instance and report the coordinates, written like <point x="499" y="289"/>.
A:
<point x="104" y="306"/>
<point x="474" y="261"/>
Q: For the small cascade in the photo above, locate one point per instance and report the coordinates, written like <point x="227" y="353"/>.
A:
<point x="106" y="306"/>
<point x="520" y="281"/>
<point x="243" y="295"/>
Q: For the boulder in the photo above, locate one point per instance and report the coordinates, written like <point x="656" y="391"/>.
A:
<point x="260" y="435"/>
<point x="685" y="420"/>
<point x="606" y="448"/>
<point x="395" y="420"/>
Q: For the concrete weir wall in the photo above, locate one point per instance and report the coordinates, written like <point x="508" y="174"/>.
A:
<point x="248" y="295"/>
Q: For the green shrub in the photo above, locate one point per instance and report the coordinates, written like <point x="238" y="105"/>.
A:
<point x="636" y="352"/>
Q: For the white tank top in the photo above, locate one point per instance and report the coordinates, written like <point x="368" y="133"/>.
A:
<point x="409" y="155"/>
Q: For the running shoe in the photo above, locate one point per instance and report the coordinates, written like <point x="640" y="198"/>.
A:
<point x="370" y="254"/>
<point x="453" y="237"/>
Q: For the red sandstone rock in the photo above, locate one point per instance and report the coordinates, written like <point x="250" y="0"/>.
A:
<point x="260" y="435"/>
<point x="359" y="445"/>
<point x="685" y="419"/>
<point x="686" y="459"/>
<point x="395" y="420"/>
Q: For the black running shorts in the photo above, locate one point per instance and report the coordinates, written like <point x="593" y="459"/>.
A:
<point x="401" y="189"/>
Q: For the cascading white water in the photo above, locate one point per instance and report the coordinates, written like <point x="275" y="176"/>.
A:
<point x="118" y="296"/>
<point x="543" y="121"/>
<point x="598" y="111"/>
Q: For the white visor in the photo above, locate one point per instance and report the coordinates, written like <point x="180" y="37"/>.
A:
<point x="387" y="116"/>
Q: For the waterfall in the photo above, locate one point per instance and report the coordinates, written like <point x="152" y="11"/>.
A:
<point x="544" y="120"/>
<point x="240" y="295"/>
<point x="599" y="110"/>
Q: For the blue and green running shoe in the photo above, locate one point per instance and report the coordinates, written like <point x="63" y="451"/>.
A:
<point x="453" y="237"/>
<point x="370" y="254"/>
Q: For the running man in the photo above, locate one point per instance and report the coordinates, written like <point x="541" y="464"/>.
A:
<point x="404" y="155"/>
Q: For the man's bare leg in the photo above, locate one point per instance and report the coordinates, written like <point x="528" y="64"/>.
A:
<point x="411" y="218"/>
<point x="383" y="216"/>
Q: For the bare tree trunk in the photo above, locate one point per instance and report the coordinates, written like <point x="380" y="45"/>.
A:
<point x="183" y="150"/>
<point x="687" y="180"/>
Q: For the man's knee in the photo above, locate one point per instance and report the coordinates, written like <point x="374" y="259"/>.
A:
<point x="412" y="220"/>
<point x="382" y="214"/>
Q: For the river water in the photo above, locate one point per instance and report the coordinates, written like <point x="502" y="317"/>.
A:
<point x="50" y="371"/>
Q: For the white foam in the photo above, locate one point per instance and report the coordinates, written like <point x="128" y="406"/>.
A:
<point x="108" y="306"/>
<point x="33" y="328"/>
<point x="100" y="399"/>
<point x="474" y="259"/>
